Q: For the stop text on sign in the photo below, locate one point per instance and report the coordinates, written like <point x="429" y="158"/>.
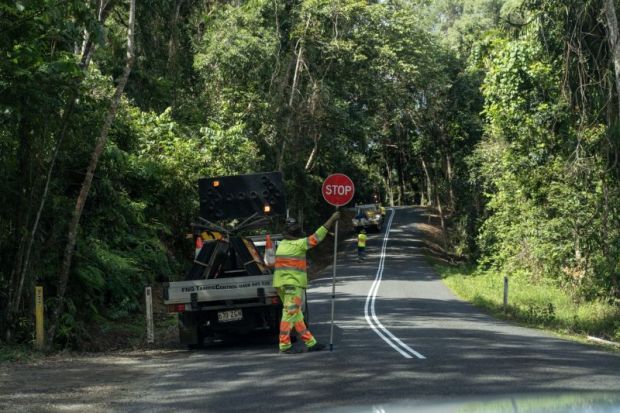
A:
<point x="338" y="189"/>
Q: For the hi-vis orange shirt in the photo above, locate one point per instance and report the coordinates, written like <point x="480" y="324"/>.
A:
<point x="290" y="268"/>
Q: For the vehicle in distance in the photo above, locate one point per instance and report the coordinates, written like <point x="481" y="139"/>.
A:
<point x="368" y="217"/>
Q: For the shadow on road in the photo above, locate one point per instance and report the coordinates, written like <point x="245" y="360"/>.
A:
<point x="467" y="352"/>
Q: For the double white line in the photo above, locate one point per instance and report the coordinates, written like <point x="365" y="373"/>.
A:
<point x="369" y="308"/>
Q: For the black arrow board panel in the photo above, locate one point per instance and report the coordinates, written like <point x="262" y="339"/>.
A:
<point x="239" y="196"/>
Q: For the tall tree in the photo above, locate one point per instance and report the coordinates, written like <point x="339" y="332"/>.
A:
<point x="88" y="179"/>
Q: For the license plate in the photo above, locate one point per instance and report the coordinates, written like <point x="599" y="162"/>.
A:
<point x="231" y="315"/>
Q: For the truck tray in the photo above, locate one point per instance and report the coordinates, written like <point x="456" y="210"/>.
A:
<point x="231" y="288"/>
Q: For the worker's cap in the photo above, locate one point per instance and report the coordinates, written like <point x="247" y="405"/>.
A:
<point x="292" y="228"/>
<point x="363" y="231"/>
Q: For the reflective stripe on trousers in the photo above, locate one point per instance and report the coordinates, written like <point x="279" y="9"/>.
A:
<point x="293" y="317"/>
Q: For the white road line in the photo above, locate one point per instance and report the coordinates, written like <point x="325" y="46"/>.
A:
<point x="369" y="308"/>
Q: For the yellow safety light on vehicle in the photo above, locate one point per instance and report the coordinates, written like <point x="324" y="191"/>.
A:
<point x="215" y="184"/>
<point x="267" y="209"/>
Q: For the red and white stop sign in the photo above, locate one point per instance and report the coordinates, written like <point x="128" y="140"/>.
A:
<point x="338" y="189"/>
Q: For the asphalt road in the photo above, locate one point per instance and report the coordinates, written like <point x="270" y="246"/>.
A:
<point x="400" y="336"/>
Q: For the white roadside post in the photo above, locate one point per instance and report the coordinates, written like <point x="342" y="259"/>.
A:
<point x="150" y="334"/>
<point x="338" y="190"/>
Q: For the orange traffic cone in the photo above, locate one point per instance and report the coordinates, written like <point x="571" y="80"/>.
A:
<point x="198" y="246"/>
<point x="270" y="254"/>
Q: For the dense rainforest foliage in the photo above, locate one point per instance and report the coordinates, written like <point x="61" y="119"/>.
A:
<point x="502" y="115"/>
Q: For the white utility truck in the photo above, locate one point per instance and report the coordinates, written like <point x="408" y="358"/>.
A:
<point x="228" y="289"/>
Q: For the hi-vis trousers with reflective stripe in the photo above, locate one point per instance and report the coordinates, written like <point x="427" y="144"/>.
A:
<point x="292" y="317"/>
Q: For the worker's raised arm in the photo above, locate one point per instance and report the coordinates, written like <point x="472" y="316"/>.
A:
<point x="314" y="239"/>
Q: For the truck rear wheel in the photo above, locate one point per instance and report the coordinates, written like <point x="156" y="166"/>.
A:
<point x="197" y="346"/>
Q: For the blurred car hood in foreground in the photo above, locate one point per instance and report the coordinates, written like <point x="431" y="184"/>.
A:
<point x="588" y="402"/>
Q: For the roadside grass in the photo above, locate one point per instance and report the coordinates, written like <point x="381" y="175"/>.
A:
<point x="105" y="335"/>
<point x="128" y="333"/>
<point x="542" y="304"/>
<point x="18" y="353"/>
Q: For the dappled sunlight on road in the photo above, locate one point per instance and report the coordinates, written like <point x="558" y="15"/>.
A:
<point x="467" y="353"/>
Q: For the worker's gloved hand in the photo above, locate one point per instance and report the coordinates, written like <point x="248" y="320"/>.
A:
<point x="335" y="216"/>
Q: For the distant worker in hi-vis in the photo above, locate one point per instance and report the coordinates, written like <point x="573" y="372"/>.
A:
<point x="291" y="280"/>
<point x="361" y="244"/>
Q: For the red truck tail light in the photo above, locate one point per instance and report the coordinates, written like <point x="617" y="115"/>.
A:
<point x="176" y="308"/>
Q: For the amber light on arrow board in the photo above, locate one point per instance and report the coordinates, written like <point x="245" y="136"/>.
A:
<point x="215" y="184"/>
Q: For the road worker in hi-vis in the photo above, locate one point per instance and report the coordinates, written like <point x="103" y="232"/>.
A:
<point x="291" y="280"/>
<point x="361" y="245"/>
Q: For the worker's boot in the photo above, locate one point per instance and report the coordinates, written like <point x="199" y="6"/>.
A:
<point x="317" y="347"/>
<point x="290" y="350"/>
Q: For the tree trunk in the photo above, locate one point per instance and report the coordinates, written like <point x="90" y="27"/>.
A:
<point x="173" y="47"/>
<point x="388" y="183"/>
<point x="313" y="155"/>
<point x="299" y="50"/>
<point x="614" y="42"/>
<point x="451" y="201"/>
<point x="400" y="169"/>
<point x="24" y="188"/>
<point x="429" y="189"/>
<point x="22" y="268"/>
<point x="63" y="277"/>
<point x="607" y="237"/>
<point x="441" y="220"/>
<point x="280" y="145"/>
<point x="402" y="200"/>
<point x="174" y="41"/>
<point x="612" y="27"/>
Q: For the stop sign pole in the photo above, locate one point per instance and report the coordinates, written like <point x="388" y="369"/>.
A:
<point x="338" y="190"/>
